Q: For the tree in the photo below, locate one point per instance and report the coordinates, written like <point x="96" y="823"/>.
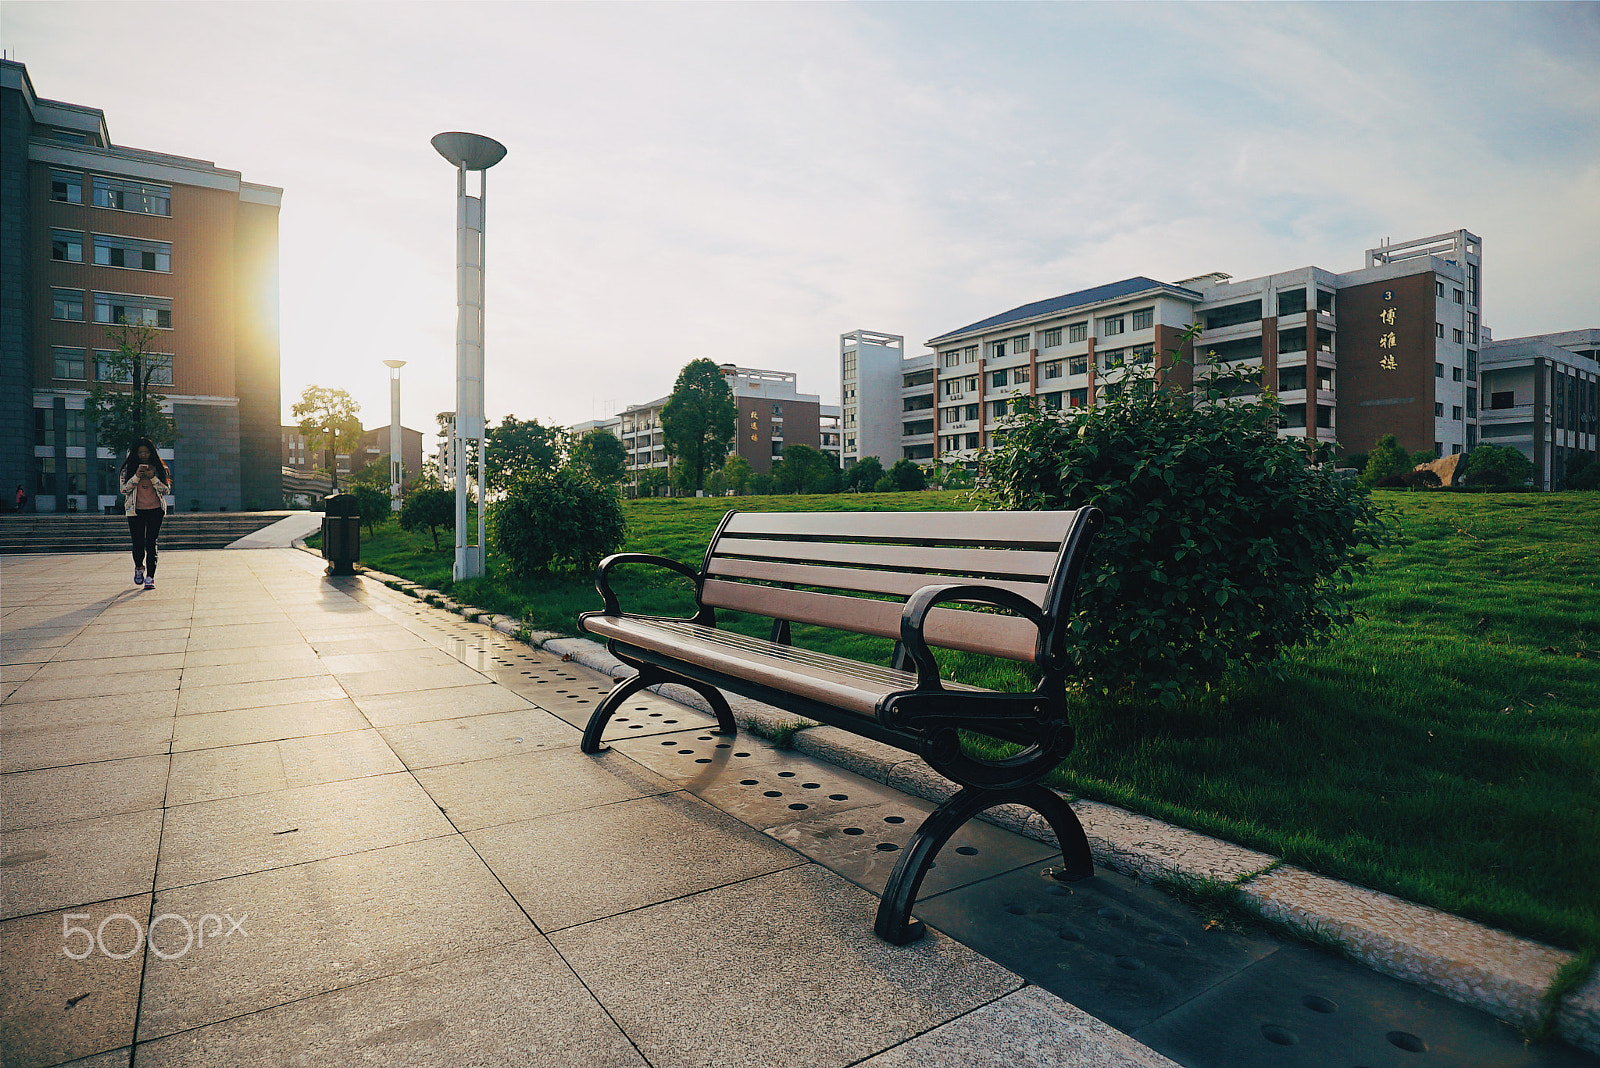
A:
<point x="651" y="480"/>
<point x="804" y="470"/>
<point x="907" y="475"/>
<point x="599" y="456"/>
<point x="737" y="474"/>
<point x="520" y="447"/>
<point x="863" y="474"/>
<point x="331" y="421"/>
<point x="372" y="503"/>
<point x="1583" y="473"/>
<point x="429" y="507"/>
<point x="124" y="402"/>
<point x="697" y="424"/>
<point x="552" y="518"/>
<point x="1496" y="465"/>
<point x="1387" y="460"/>
<point x="1224" y="544"/>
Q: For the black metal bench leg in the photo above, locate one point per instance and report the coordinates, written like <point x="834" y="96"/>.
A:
<point x="894" y="923"/>
<point x="623" y="690"/>
<point x="718" y="703"/>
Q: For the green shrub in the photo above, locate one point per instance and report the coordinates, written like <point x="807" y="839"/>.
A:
<point x="1496" y="465"/>
<point x="371" y="502"/>
<point x="907" y="476"/>
<point x="431" y="508"/>
<point x="1583" y="473"/>
<point x="1387" y="460"/>
<point x="1224" y="545"/>
<point x="548" y="520"/>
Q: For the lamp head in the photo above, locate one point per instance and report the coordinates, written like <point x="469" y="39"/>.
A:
<point x="470" y="151"/>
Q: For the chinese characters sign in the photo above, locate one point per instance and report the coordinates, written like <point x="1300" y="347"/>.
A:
<point x="1387" y="341"/>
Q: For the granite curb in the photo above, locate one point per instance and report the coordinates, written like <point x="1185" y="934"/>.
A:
<point x="1487" y="969"/>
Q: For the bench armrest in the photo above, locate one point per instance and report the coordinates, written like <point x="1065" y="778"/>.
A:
<point x="915" y="615"/>
<point x="602" y="578"/>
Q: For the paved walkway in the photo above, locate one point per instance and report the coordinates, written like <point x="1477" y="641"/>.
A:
<point x="347" y="842"/>
<point x="362" y="830"/>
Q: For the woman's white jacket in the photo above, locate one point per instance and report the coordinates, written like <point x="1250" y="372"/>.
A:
<point x="129" y="494"/>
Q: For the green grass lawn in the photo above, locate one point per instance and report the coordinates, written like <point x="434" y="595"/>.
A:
<point x="1445" y="748"/>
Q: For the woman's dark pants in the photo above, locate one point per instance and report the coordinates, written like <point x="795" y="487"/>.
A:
<point x="144" y="524"/>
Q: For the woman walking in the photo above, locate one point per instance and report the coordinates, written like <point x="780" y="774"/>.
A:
<point x="145" y="481"/>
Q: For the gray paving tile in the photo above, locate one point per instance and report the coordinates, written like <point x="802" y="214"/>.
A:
<point x="485" y="793"/>
<point x="296" y="650"/>
<point x="387" y="639"/>
<point x="453" y="741"/>
<point x="98" y="648"/>
<point x="333" y="757"/>
<point x="135" y="663"/>
<point x="228" y="697"/>
<point x="70" y="863"/>
<point x="1031" y="1028"/>
<point x="50" y="747"/>
<point x="81" y="791"/>
<point x="208" y="730"/>
<point x="233" y="836"/>
<point x="97" y="686"/>
<point x="400" y="660"/>
<point x="135" y="707"/>
<point x="417" y="706"/>
<point x="54" y="1008"/>
<point x="500" y="1006"/>
<point x="323" y="926"/>
<point x="226" y="771"/>
<point x="816" y="989"/>
<point x="575" y="867"/>
<point x="248" y="636"/>
<point x="266" y="669"/>
<point x="406" y="679"/>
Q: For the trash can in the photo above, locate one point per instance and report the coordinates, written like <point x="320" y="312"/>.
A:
<point x="341" y="533"/>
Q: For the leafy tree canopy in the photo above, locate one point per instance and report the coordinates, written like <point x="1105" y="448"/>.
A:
<point x="697" y="423"/>
<point x="863" y="474"/>
<point x="331" y="421"/>
<point x="1386" y="461"/>
<point x="429" y="507"/>
<point x="600" y="457"/>
<point x="1497" y="465"/>
<point x="125" y="402"/>
<point x="518" y="448"/>
<point x="805" y="470"/>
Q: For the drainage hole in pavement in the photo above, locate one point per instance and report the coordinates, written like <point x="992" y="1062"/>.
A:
<point x="894" y="819"/>
<point x="1318" y="1004"/>
<point x="741" y="754"/>
<point x="887" y="847"/>
<point x="686" y="752"/>
<point x="669" y="742"/>
<point x="1070" y="934"/>
<point x="785" y="774"/>
<point x="655" y="715"/>
<point x="1407" y="1041"/>
<point x="810" y="786"/>
<point x="854" y="830"/>
<point x="1016" y="910"/>
<point x="636" y="726"/>
<point x="720" y="745"/>
<point x="772" y="793"/>
<point x="799" y="807"/>
<point x="1278" y="1036"/>
<point x="1109" y="913"/>
<point x="1133" y="964"/>
<point x="749" y="782"/>
<point x="669" y="721"/>
<point x="1176" y="942"/>
<point x="966" y="851"/>
<point x="702" y="760"/>
<point x="838" y="797"/>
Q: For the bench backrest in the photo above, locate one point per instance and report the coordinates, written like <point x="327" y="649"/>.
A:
<point x="806" y="567"/>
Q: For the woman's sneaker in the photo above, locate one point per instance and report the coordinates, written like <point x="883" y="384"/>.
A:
<point x="150" y="582"/>
<point x="138" y="576"/>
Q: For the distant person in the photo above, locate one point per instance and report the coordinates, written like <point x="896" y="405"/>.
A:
<point x="22" y="497"/>
<point x="145" y="482"/>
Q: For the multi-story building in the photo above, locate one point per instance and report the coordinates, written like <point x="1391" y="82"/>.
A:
<point x="97" y="234"/>
<point x="871" y="375"/>
<point x="1391" y="348"/>
<point x="1542" y="395"/>
<point x="772" y="414"/>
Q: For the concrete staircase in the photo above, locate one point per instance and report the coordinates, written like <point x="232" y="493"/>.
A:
<point x="33" y="533"/>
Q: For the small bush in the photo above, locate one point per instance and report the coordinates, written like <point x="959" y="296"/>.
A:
<point x="1583" y="473"/>
<point x="430" y="508"/>
<point x="1496" y="465"/>
<point x="549" y="520"/>
<point x="1224" y="545"/>
<point x="372" y="503"/>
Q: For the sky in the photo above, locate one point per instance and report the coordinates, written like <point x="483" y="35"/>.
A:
<point x="748" y="181"/>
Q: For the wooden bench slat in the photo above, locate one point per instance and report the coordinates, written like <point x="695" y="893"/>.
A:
<point x="1014" y="562"/>
<point x="1045" y="528"/>
<point x="975" y="632"/>
<point x="840" y="578"/>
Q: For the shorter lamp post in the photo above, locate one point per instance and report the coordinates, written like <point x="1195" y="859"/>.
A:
<point x="397" y="470"/>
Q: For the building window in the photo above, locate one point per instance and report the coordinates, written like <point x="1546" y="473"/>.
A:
<point x="117" y="308"/>
<point x="77" y="427"/>
<point x="777" y="409"/>
<point x="66" y="246"/>
<point x="1438" y="369"/>
<point x="997" y="409"/>
<point x="69" y="363"/>
<point x="1143" y="319"/>
<point x="1457" y="296"/>
<point x="1050" y="339"/>
<point x="1439" y="290"/>
<point x="1472" y="402"/>
<point x="66" y="187"/>
<point x="66" y="304"/>
<point x="1324" y="417"/>
<point x="1078" y="365"/>
<point x="1455" y="335"/>
<point x="160" y="365"/>
<point x="1078" y="398"/>
<point x="1111" y="324"/>
<point x="999" y="378"/>
<point x="1019" y="345"/>
<point x="1292" y="302"/>
<point x="1139" y="355"/>
<point x="127" y="195"/>
<point x="1052" y="369"/>
<point x="1438" y="330"/>
<point x="951" y="358"/>
<point x="1472" y="328"/>
<point x="44" y="428"/>
<point x="1455" y="412"/>
<point x="1472" y="364"/>
<point x="1455" y="374"/>
<point x="1111" y="358"/>
<point x="1246" y="311"/>
<point x="1050" y="402"/>
<point x="1019" y="376"/>
<point x="1291" y="379"/>
<point x="848" y="366"/>
<point x="1438" y="410"/>
<point x="1077" y="331"/>
<point x="132" y="253"/>
<point x="1455" y="450"/>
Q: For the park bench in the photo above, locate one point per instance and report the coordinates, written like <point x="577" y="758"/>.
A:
<point x="885" y="574"/>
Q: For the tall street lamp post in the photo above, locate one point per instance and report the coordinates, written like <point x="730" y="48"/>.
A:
<point x="397" y="467"/>
<point x="469" y="152"/>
